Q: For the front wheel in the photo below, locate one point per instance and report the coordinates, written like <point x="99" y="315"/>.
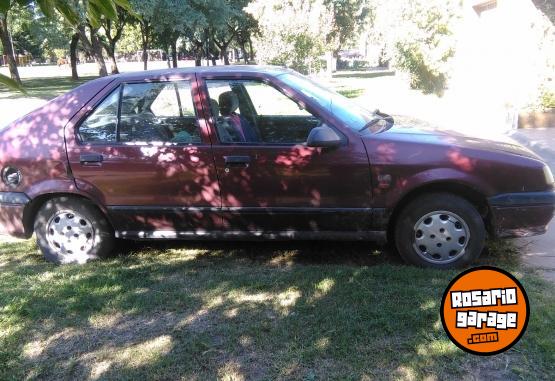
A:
<point x="440" y="230"/>
<point x="72" y="230"/>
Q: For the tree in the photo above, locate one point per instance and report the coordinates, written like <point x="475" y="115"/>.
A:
<point x="225" y="30"/>
<point x="416" y="35"/>
<point x="173" y="19"/>
<point x="130" y="42"/>
<point x="247" y="29"/>
<point x="146" y="13"/>
<point x="93" y="9"/>
<point x="295" y="31"/>
<point x="7" y="45"/>
<point x="85" y="17"/>
<point x="113" y="31"/>
<point x="348" y="18"/>
<point x="23" y="40"/>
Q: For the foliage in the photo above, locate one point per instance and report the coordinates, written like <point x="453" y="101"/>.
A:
<point x="548" y="99"/>
<point x="417" y="36"/>
<point x="300" y="32"/>
<point x="45" y="38"/>
<point x="131" y="39"/>
<point x="93" y="10"/>
<point x="348" y="18"/>
<point x="296" y="32"/>
<point x="11" y="84"/>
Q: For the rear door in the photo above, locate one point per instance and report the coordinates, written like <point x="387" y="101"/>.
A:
<point x="141" y="151"/>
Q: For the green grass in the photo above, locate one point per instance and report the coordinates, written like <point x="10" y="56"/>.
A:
<point x="44" y="88"/>
<point x="350" y="93"/>
<point x="248" y="311"/>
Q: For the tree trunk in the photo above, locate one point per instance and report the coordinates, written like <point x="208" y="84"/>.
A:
<point x="198" y="53"/>
<point x="73" y="55"/>
<point x="112" y="56"/>
<point x="244" y="52"/>
<point x="251" y="50"/>
<point x="93" y="47"/>
<point x="111" y="50"/>
<point x="174" y="52"/>
<point x="145" y="35"/>
<point x="225" y="55"/>
<point x="8" y="51"/>
<point x="97" y="52"/>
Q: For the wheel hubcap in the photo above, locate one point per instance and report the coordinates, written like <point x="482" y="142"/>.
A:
<point x="70" y="234"/>
<point x="441" y="237"/>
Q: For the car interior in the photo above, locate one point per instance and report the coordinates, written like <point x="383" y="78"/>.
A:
<point x="157" y="115"/>
<point x="151" y="112"/>
<point x="244" y="112"/>
<point x="238" y="121"/>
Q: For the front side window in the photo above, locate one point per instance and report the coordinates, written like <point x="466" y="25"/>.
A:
<point x="251" y="111"/>
<point x="148" y="112"/>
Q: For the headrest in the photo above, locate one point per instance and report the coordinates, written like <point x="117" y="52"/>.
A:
<point x="214" y="108"/>
<point x="228" y="102"/>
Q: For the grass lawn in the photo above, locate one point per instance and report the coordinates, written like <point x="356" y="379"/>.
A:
<point x="44" y="88"/>
<point x="248" y="311"/>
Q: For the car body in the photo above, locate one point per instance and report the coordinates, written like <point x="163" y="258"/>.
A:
<point x="155" y="170"/>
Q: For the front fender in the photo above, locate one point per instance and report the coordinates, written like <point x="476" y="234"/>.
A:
<point x="403" y="185"/>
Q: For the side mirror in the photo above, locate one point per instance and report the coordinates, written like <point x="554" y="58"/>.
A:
<point x="323" y="136"/>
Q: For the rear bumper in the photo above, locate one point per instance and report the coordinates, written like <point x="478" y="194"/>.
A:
<point x="12" y="207"/>
<point x="522" y="214"/>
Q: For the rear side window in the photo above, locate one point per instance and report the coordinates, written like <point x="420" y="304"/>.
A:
<point x="147" y="112"/>
<point x="101" y="125"/>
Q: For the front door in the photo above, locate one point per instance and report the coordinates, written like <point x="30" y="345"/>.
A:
<point x="270" y="180"/>
<point x="141" y="152"/>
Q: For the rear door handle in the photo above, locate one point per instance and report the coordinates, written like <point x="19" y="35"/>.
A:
<point x="91" y="159"/>
<point x="237" y="160"/>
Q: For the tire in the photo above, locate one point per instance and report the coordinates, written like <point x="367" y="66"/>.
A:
<point x="72" y="230"/>
<point x="440" y="230"/>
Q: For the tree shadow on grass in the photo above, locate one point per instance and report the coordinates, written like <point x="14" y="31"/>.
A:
<point x="274" y="252"/>
<point x="251" y="310"/>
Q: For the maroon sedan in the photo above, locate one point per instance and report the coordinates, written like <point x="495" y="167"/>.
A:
<point x="255" y="153"/>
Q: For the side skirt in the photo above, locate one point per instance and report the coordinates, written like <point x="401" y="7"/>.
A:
<point x="377" y="236"/>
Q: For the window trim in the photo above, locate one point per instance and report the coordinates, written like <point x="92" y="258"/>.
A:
<point x="117" y="143"/>
<point x="266" y="81"/>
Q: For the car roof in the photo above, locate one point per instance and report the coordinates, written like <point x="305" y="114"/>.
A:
<point x="245" y="69"/>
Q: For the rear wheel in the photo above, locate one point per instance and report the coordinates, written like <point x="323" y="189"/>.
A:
<point x="72" y="230"/>
<point x="440" y="230"/>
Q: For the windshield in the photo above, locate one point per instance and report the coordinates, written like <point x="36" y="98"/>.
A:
<point x="344" y="109"/>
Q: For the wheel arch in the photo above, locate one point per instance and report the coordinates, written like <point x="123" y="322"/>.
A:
<point x="32" y="208"/>
<point x="465" y="191"/>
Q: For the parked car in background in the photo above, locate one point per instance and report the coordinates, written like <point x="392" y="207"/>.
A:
<point x="252" y="152"/>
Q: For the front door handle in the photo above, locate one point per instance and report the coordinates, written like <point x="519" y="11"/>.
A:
<point x="94" y="159"/>
<point x="234" y="161"/>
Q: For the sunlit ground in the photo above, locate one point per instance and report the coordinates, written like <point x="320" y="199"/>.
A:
<point x="294" y="310"/>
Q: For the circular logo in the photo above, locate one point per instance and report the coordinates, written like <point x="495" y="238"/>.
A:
<point x="485" y="310"/>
